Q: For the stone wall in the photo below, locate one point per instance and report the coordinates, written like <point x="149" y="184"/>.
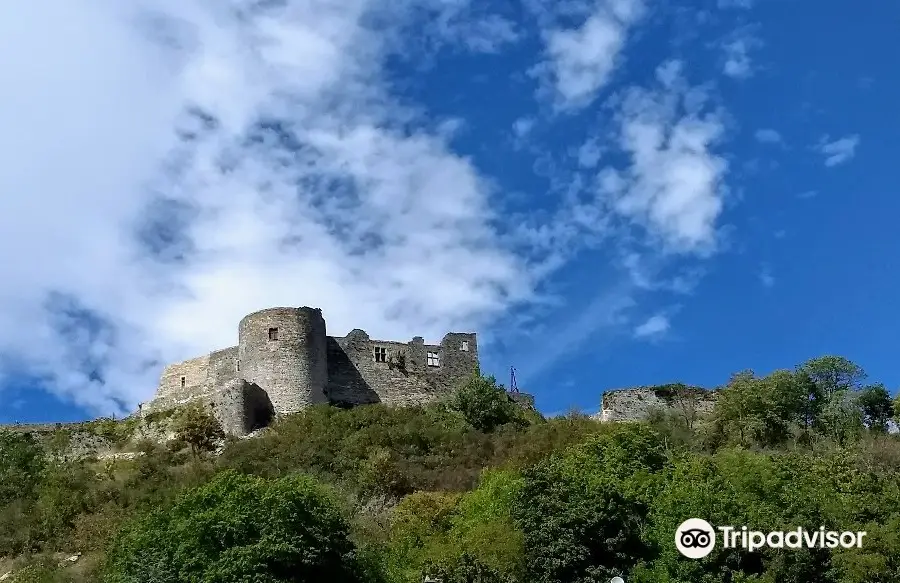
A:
<point x="184" y="379"/>
<point x="355" y="377"/>
<point x="635" y="404"/>
<point x="222" y="367"/>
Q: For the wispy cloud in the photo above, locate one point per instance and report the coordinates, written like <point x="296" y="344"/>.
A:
<point x="654" y="327"/>
<point x="580" y="61"/>
<point x="740" y="4"/>
<point x="768" y="136"/>
<point x="737" y="62"/>
<point x="674" y="187"/>
<point x="838" y="151"/>
<point x="765" y="276"/>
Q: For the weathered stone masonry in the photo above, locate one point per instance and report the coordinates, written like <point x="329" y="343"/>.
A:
<point x="285" y="361"/>
<point x="636" y="404"/>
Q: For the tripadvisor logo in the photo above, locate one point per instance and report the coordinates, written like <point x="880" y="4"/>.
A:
<point x="695" y="538"/>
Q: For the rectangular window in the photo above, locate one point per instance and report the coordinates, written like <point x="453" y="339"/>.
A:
<point x="464" y="346"/>
<point x="380" y="354"/>
<point x="273" y="333"/>
<point x="433" y="359"/>
<point x="239" y="366"/>
<point x="182" y="382"/>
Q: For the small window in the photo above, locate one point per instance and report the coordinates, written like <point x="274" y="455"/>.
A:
<point x="182" y="382"/>
<point x="433" y="359"/>
<point x="239" y="366"/>
<point x="464" y="346"/>
<point x="273" y="333"/>
<point x="380" y="354"/>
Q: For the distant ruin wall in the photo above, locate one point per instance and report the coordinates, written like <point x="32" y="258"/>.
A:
<point x="637" y="403"/>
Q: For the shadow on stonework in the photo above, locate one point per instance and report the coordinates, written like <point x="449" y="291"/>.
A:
<point x="346" y="386"/>
<point x="258" y="409"/>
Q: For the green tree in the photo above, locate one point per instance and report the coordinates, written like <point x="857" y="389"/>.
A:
<point x="199" y="429"/>
<point x="458" y="537"/>
<point x="239" y="528"/>
<point x="841" y="417"/>
<point x="484" y="404"/>
<point x="582" y="514"/>
<point x="21" y="463"/>
<point x="466" y="568"/>
<point x="831" y="374"/>
<point x="739" y="409"/>
<point x="877" y="407"/>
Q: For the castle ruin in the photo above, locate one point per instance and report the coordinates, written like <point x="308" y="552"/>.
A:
<point x="639" y="403"/>
<point x="285" y="362"/>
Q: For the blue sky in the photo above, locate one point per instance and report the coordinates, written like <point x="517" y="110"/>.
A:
<point x="611" y="193"/>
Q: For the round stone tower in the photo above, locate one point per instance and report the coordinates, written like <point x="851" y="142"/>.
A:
<point x="283" y="351"/>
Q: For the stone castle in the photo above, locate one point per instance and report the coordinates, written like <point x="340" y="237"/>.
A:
<point x="284" y="361"/>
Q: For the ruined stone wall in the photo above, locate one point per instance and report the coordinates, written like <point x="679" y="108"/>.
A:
<point x="636" y="404"/>
<point x="355" y="377"/>
<point x="283" y="350"/>
<point x="194" y="379"/>
<point x="222" y="367"/>
<point x="184" y="379"/>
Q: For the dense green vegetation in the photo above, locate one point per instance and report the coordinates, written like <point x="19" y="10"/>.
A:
<point x="476" y="490"/>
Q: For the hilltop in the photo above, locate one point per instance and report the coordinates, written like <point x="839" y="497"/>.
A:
<point x="473" y="488"/>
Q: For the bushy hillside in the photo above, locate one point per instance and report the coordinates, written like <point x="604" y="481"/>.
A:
<point x="474" y="490"/>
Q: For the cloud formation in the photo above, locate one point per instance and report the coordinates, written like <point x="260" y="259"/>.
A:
<point x="768" y="136"/>
<point x="838" y="151"/>
<point x="737" y="62"/>
<point x="674" y="186"/>
<point x="175" y="165"/>
<point x="765" y="276"/>
<point x="580" y="60"/>
<point x="654" y="327"/>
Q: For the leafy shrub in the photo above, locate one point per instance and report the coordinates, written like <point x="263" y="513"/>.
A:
<point x="485" y="405"/>
<point x="239" y="528"/>
<point x="198" y="428"/>
<point x="21" y="463"/>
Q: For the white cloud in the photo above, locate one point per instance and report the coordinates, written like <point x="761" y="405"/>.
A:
<point x="838" y="151"/>
<point x="674" y="187"/>
<point x="738" y="64"/>
<point x="459" y="22"/>
<point x="653" y="327"/>
<point x="589" y="154"/>
<point x="740" y="4"/>
<point x="768" y="136"/>
<point x="522" y="129"/>
<point x="765" y="276"/>
<point x="580" y="61"/>
<point x="299" y="185"/>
